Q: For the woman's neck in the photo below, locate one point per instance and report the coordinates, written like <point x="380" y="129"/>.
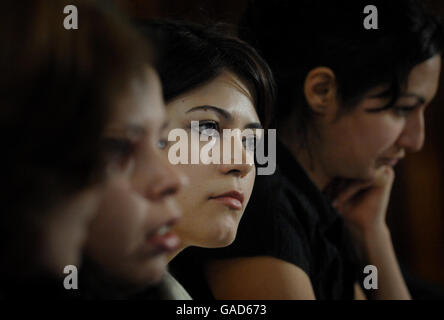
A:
<point x="173" y="254"/>
<point x="95" y="283"/>
<point x="307" y="157"/>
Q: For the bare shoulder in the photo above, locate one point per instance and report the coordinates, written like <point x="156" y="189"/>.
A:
<point x="359" y="294"/>
<point x="261" y="277"/>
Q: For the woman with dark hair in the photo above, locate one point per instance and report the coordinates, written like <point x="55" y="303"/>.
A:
<point x="61" y="90"/>
<point x="213" y="78"/>
<point x="350" y="106"/>
<point x="207" y="76"/>
<point x="130" y="238"/>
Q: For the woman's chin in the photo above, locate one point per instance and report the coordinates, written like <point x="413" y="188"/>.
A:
<point x="223" y="236"/>
<point x="152" y="272"/>
<point x="365" y="174"/>
<point x="215" y="231"/>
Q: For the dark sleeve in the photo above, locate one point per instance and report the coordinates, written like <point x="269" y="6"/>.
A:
<point x="269" y="227"/>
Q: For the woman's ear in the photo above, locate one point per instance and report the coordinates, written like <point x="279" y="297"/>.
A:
<point x="320" y="91"/>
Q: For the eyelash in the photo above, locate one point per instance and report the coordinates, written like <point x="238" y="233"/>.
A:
<point x="403" y="111"/>
<point x="118" y="150"/>
<point x="162" y="144"/>
<point x="216" y="127"/>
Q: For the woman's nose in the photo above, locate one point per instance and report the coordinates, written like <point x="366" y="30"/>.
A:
<point x="160" y="178"/>
<point x="240" y="161"/>
<point x="413" y="136"/>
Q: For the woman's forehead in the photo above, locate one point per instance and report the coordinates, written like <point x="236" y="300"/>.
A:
<point x="424" y="78"/>
<point x="226" y="92"/>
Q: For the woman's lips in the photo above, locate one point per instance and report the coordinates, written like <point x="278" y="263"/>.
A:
<point x="164" y="243"/>
<point x="232" y="199"/>
<point x="163" y="239"/>
<point x="390" y="161"/>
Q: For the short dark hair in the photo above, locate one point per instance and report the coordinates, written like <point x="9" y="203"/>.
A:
<point x="296" y="36"/>
<point x="57" y="88"/>
<point x="190" y="55"/>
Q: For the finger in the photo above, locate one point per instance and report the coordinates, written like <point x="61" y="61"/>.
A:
<point x="349" y="192"/>
<point x="384" y="179"/>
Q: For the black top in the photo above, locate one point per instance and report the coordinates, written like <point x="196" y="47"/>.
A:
<point x="290" y="219"/>
<point x="42" y="286"/>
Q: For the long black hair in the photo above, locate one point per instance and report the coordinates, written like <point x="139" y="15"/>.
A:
<point x="296" y="36"/>
<point x="190" y="55"/>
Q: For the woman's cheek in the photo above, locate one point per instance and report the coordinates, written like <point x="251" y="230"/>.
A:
<point x="250" y="178"/>
<point x="123" y="217"/>
<point x="190" y="197"/>
<point x="388" y="132"/>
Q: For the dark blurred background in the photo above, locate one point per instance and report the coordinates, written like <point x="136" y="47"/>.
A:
<point x="416" y="213"/>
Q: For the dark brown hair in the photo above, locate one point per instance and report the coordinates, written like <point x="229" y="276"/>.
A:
<point x="57" y="87"/>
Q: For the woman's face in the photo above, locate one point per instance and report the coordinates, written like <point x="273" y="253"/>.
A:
<point x="64" y="230"/>
<point x="130" y="237"/>
<point x="359" y="143"/>
<point x="217" y="194"/>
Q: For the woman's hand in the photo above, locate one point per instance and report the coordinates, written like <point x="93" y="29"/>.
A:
<point x="364" y="207"/>
<point x="363" y="204"/>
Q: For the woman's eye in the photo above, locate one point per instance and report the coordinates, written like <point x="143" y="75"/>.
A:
<point x="249" y="142"/>
<point x="402" y="111"/>
<point x="162" y="144"/>
<point x="118" y="146"/>
<point x="118" y="150"/>
<point x="209" y="128"/>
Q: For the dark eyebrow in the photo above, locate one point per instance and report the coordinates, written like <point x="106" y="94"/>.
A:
<point x="386" y="93"/>
<point x="254" y="125"/>
<point x="383" y="94"/>
<point x="421" y="99"/>
<point x="164" y="125"/>
<point x="220" y="111"/>
<point x="135" y="130"/>
<point x="132" y="130"/>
